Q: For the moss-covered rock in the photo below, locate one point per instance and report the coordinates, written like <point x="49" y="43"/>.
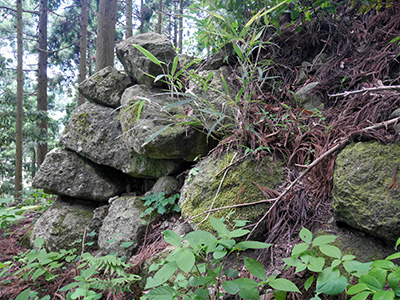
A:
<point x="64" y="223"/>
<point x="206" y="188"/>
<point x="365" y="194"/>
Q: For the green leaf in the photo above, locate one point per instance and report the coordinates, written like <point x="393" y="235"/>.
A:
<point x="38" y="242"/>
<point x="330" y="282"/>
<point x="200" y="237"/>
<point x="38" y="273"/>
<point x="162" y="275"/>
<point x="316" y="264"/>
<point x="172" y="238"/>
<point x="357" y="268"/>
<point x="355" y="289"/>
<point x="220" y="227"/>
<point x="155" y="134"/>
<point x="299" y="248"/>
<point x="323" y="239"/>
<point x="185" y="260"/>
<point x="174" y="65"/>
<point x="283" y="284"/>
<point x="393" y="256"/>
<point x="293" y="262"/>
<point x="279" y="295"/>
<point x="371" y="282"/>
<point x="361" y="296"/>
<point x="393" y="280"/>
<point x="384" y="264"/>
<point x="331" y="251"/>
<point x="148" y="55"/>
<point x="383" y="295"/>
<point x="218" y="254"/>
<point x="231" y="287"/>
<point x="249" y="294"/>
<point x="238" y="233"/>
<point x="251" y="245"/>
<point x="231" y="273"/>
<point x="23" y="295"/>
<point x="306" y="235"/>
<point x="308" y="283"/>
<point x="201" y="280"/>
<point x="380" y="275"/>
<point x="126" y="244"/>
<point x="255" y="268"/>
<point x="161" y="293"/>
<point x="244" y="283"/>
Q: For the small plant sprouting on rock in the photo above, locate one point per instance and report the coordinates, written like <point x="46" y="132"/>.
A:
<point x="160" y="204"/>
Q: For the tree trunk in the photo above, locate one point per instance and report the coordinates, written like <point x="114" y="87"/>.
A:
<point x="176" y="23"/>
<point x="128" y="16"/>
<point x="180" y="43"/>
<point x="19" y="112"/>
<point x="141" y="16"/>
<point x="83" y="46"/>
<point x="159" y="23"/>
<point x="106" y="34"/>
<point x="42" y="82"/>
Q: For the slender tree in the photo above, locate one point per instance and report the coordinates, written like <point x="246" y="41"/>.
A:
<point x="128" y="16"/>
<point x="18" y="126"/>
<point x="83" y="46"/>
<point x="42" y="82"/>
<point x="180" y="40"/>
<point x="106" y="33"/>
<point x="159" y="21"/>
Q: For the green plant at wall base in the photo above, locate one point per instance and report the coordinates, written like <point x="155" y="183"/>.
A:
<point x="199" y="265"/>
<point x="160" y="204"/>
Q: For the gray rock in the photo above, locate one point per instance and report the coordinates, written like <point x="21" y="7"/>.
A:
<point x="365" y="195"/>
<point x="64" y="223"/>
<point x="308" y="99"/>
<point x="138" y="65"/>
<point x="94" y="132"/>
<point x="167" y="184"/>
<point x="170" y="139"/>
<point x="395" y="114"/>
<point x="105" y="87"/>
<point x="204" y="190"/>
<point x="66" y="173"/>
<point x="122" y="224"/>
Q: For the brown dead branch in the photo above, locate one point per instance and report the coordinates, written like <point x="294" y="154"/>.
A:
<point x="366" y="90"/>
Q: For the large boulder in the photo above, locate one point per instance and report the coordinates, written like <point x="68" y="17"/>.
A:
<point x="64" y="223"/>
<point x="207" y="187"/>
<point x="94" y="132"/>
<point x="122" y="224"/>
<point x="105" y="87"/>
<point x="154" y="131"/>
<point x="66" y="173"/>
<point x="137" y="65"/>
<point x="365" y="189"/>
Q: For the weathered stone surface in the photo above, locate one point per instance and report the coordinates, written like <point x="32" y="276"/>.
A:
<point x="138" y="65"/>
<point x="202" y="190"/>
<point x="363" y="194"/>
<point x="64" y="223"/>
<point x="94" y="132"/>
<point x="171" y="141"/>
<point x="123" y="224"/>
<point x="167" y="184"/>
<point x="105" y="87"/>
<point x="395" y="114"/>
<point x="65" y="173"/>
<point x="308" y="99"/>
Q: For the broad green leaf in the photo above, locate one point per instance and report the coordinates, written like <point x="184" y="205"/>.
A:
<point x="172" y="238"/>
<point x="371" y="282"/>
<point x="308" y="283"/>
<point x="251" y="245"/>
<point x="38" y="242"/>
<point x="148" y="55"/>
<point x="200" y="237"/>
<point x="384" y="264"/>
<point x="283" y="284"/>
<point x="355" y="289"/>
<point x="249" y="293"/>
<point x="174" y="65"/>
<point x="306" y="235"/>
<point x="126" y="244"/>
<point x="361" y="296"/>
<point x="238" y="233"/>
<point x="218" y="254"/>
<point x="161" y="293"/>
<point x="394" y="279"/>
<point x="238" y="50"/>
<point x="69" y="287"/>
<point x="201" y="280"/>
<point x="255" y="268"/>
<point x="316" y="264"/>
<point x="323" y="239"/>
<point x="244" y="283"/>
<point x="357" y="268"/>
<point x="185" y="260"/>
<point x="333" y="286"/>
<point x="335" y="263"/>
<point x="293" y="262"/>
<point x="383" y="295"/>
<point x="348" y="257"/>
<point x="279" y="295"/>
<point x="393" y="256"/>
<point x="231" y="287"/>
<point x="380" y="275"/>
<point x="38" y="273"/>
<point x="331" y="251"/>
<point x="231" y="273"/>
<point x="161" y="275"/>
<point x="23" y="295"/>
<point x="299" y="248"/>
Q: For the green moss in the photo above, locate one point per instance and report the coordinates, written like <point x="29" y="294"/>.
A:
<point x="238" y="186"/>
